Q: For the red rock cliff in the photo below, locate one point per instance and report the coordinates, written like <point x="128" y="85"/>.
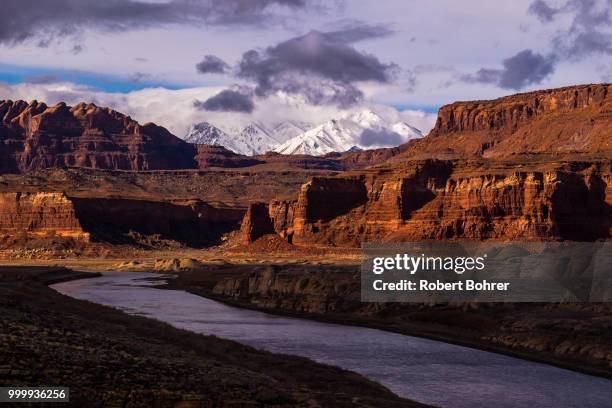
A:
<point x="575" y="119"/>
<point x="457" y="200"/>
<point x="39" y="213"/>
<point x="34" y="136"/>
<point x="256" y="223"/>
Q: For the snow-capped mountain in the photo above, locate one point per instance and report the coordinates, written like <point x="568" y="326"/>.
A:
<point x="253" y="139"/>
<point x="353" y="131"/>
<point x="288" y="130"/>
<point x="205" y="133"/>
<point x="364" y="130"/>
<point x="257" y="139"/>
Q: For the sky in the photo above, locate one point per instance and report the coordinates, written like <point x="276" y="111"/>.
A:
<point x="178" y="62"/>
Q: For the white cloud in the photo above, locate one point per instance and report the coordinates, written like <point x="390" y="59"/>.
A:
<point x="174" y="109"/>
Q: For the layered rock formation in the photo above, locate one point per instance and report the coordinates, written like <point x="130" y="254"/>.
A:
<point x="282" y="214"/>
<point x="39" y="213"/>
<point x="115" y="220"/>
<point x="436" y="199"/>
<point x="574" y="119"/>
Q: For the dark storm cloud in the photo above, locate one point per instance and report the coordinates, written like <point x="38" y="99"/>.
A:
<point x="589" y="32"/>
<point x="526" y="68"/>
<point x="251" y="12"/>
<point x="44" y="20"/>
<point x="212" y="65"/>
<point x="227" y="101"/>
<point x="77" y="49"/>
<point x="371" y="137"/>
<point x="523" y="69"/>
<point x="483" y="76"/>
<point x="321" y="66"/>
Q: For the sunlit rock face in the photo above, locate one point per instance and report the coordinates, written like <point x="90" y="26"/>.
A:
<point x="35" y="136"/>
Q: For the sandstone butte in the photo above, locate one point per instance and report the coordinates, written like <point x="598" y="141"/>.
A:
<point x="532" y="166"/>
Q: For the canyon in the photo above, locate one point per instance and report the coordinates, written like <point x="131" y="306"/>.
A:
<point x="533" y="166"/>
<point x="89" y="186"/>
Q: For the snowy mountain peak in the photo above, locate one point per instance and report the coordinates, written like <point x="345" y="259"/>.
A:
<point x="287" y="130"/>
<point x="404" y="129"/>
<point x="205" y="133"/>
<point x="364" y="129"/>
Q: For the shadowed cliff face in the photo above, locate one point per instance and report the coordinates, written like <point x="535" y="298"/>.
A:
<point x="115" y="220"/>
<point x="191" y="222"/>
<point x="256" y="223"/>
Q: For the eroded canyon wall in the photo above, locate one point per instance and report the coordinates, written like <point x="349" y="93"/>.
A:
<point x="39" y="213"/>
<point x="457" y="200"/>
<point x="574" y="119"/>
<point x="115" y="220"/>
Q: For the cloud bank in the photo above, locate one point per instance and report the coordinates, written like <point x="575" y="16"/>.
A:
<point x="589" y="33"/>
<point x="590" y="30"/>
<point x="175" y="110"/>
<point x="46" y="20"/>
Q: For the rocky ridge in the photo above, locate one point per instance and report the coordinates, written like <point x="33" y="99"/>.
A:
<point x="34" y="135"/>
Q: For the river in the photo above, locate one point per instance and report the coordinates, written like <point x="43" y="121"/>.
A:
<point x="428" y="371"/>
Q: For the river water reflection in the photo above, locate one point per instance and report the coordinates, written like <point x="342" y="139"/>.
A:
<point x="423" y="370"/>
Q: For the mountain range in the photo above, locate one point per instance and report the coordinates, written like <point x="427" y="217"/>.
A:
<point x="359" y="130"/>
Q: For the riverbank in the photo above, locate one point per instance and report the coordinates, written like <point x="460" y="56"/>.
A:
<point x="109" y="358"/>
<point x="571" y="336"/>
